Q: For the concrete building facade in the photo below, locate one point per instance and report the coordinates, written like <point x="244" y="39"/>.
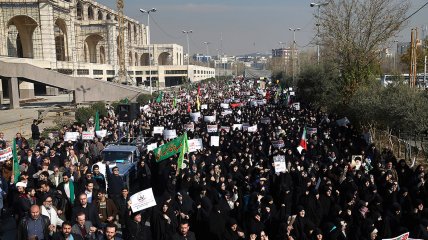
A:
<point x="80" y="38"/>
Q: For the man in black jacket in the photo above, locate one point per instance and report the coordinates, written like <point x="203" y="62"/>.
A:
<point x="184" y="233"/>
<point x="35" y="225"/>
<point x="66" y="233"/>
<point x="115" y="183"/>
<point x="88" y="209"/>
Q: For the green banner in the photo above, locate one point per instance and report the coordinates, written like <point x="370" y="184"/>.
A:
<point x="159" y="98"/>
<point x="97" y="121"/>
<point x="169" y="149"/>
<point x="16" y="172"/>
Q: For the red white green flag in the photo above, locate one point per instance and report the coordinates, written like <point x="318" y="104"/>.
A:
<point x="303" y="144"/>
<point x="404" y="236"/>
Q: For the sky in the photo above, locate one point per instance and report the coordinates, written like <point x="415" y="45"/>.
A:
<point x="245" y="26"/>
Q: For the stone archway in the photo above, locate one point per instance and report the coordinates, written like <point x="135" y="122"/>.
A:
<point x="20" y="36"/>
<point x="61" y="43"/>
<point x="164" y="59"/>
<point x="91" y="43"/>
<point x="144" y="59"/>
<point x="102" y="55"/>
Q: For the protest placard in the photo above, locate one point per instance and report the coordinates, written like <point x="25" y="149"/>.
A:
<point x="212" y="128"/>
<point x="292" y="93"/>
<point x="101" y="133"/>
<point x="278" y="143"/>
<point x="142" y="200"/>
<point x="195" y="116"/>
<point x="237" y="126"/>
<point x="204" y="106"/>
<point x="215" y="141"/>
<point x="87" y="135"/>
<point x="225" y="129"/>
<point x="195" y="144"/>
<point x="279" y="163"/>
<point x="261" y="102"/>
<point x="265" y="120"/>
<point x="343" y="122"/>
<point x="311" y="131"/>
<point x="189" y="127"/>
<point x="252" y="128"/>
<point x="71" y="136"/>
<point x="224" y="105"/>
<point x="169" y="134"/>
<point x="209" y="118"/>
<point x="6" y="154"/>
<point x="158" y="130"/>
<point x="152" y="146"/>
<point x="296" y="106"/>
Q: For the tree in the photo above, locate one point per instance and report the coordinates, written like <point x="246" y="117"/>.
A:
<point x="353" y="32"/>
<point x="421" y="52"/>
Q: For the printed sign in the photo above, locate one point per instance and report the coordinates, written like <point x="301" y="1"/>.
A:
<point x="225" y="129"/>
<point x="212" y="128"/>
<point x="209" y="118"/>
<point x="71" y="136"/>
<point x="224" y="105"/>
<point x="158" y="130"/>
<point x="142" y="200"/>
<point x="101" y="133"/>
<point x="278" y="144"/>
<point x="152" y="146"/>
<point x="237" y="126"/>
<point x="311" y="131"/>
<point x="87" y="135"/>
<point x="292" y="93"/>
<point x="279" y="163"/>
<point x="204" y="106"/>
<point x="296" y="106"/>
<point x="252" y="128"/>
<point x="226" y="112"/>
<point x="195" y="144"/>
<point x="189" y="127"/>
<point x="169" y="134"/>
<point x="265" y="120"/>
<point x="195" y="116"/>
<point x="215" y="141"/>
<point x="6" y="154"/>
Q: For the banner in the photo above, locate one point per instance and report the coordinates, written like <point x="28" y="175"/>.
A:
<point x="237" y="126"/>
<point x="87" y="135"/>
<point x="169" y="134"/>
<point x="189" y="127"/>
<point x="195" y="144"/>
<point x="152" y="146"/>
<point x="71" y="136"/>
<point x="215" y="141"/>
<point x="252" y="128"/>
<point x="158" y="130"/>
<point x="278" y="144"/>
<point x="101" y="133"/>
<point x="225" y="129"/>
<point x="226" y="112"/>
<point x="311" y="131"/>
<point x="209" y="118"/>
<point x="279" y="163"/>
<point x="142" y="200"/>
<point x="404" y="236"/>
<point x="168" y="149"/>
<point x="6" y="154"/>
<point x="212" y="128"/>
<point x="224" y="105"/>
<point x="195" y="116"/>
<point x="204" y="106"/>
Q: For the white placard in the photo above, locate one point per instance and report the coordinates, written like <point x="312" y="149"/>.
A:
<point x="209" y="118"/>
<point x="224" y="105"/>
<point x="71" y="136"/>
<point x="279" y="163"/>
<point x="237" y="126"/>
<point x="145" y="108"/>
<point x="152" y="146"/>
<point x="6" y="154"/>
<point x="265" y="120"/>
<point x="343" y="122"/>
<point x="87" y="135"/>
<point x="278" y="143"/>
<point x="225" y="128"/>
<point x="252" y="128"/>
<point x="215" y="141"/>
<point x="158" y="130"/>
<point x="204" y="106"/>
<point x="101" y="133"/>
<point x="253" y="103"/>
<point x="142" y="200"/>
<point x="212" y="128"/>
<point x="261" y="102"/>
<point x="169" y="134"/>
<point x="292" y="93"/>
<point x="311" y="131"/>
<point x="296" y="106"/>
<point x="189" y="127"/>
<point x="195" y="144"/>
<point x="195" y="116"/>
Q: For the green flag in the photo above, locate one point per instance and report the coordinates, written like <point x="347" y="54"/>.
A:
<point x="184" y="149"/>
<point x="169" y="149"/>
<point x="16" y="171"/>
<point x="97" y="121"/>
<point x="159" y="98"/>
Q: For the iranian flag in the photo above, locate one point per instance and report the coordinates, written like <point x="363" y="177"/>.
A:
<point x="404" y="236"/>
<point x="303" y="144"/>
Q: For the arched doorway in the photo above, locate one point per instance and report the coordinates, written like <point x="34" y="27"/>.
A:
<point x="144" y="59"/>
<point x="164" y="59"/>
<point x="20" y="36"/>
<point x="61" y="46"/>
<point x="79" y="11"/>
<point x="91" y="43"/>
<point x="136" y="59"/>
<point x="90" y="13"/>
<point x="102" y="55"/>
<point x="130" y="59"/>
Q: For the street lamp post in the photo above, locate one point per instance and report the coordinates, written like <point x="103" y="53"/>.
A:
<point x="208" y="62"/>
<point x="283" y="56"/>
<point x="319" y="5"/>
<point x="148" y="44"/>
<point x="188" y="50"/>
<point x="293" y="52"/>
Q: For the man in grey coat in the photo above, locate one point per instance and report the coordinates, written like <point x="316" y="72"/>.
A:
<point x="84" y="228"/>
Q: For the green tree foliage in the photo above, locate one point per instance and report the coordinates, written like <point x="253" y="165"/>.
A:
<point x="421" y="52"/>
<point x="143" y="99"/>
<point x="83" y="114"/>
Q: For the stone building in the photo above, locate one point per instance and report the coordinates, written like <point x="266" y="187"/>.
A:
<point x="80" y="38"/>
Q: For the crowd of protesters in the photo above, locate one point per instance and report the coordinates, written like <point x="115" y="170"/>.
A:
<point x="229" y="192"/>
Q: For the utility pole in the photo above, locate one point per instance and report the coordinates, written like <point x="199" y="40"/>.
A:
<point x="413" y="57"/>
<point x="319" y="5"/>
<point x="293" y="51"/>
<point x="208" y="61"/>
<point x="425" y="70"/>
<point x="148" y="44"/>
<point x="188" y="51"/>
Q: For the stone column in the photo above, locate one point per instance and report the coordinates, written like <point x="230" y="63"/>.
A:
<point x="26" y="90"/>
<point x="111" y="43"/>
<point x="47" y="35"/>
<point x="1" y="92"/>
<point x="13" y="93"/>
